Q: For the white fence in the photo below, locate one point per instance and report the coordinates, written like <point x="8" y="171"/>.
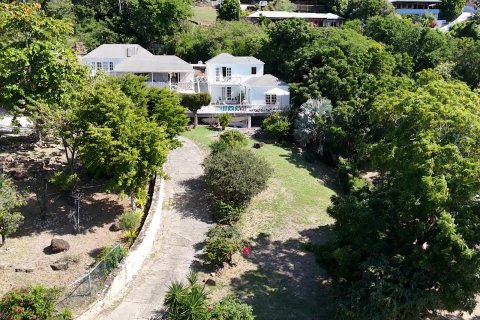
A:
<point x="239" y="108"/>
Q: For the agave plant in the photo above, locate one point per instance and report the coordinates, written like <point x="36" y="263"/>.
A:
<point x="308" y="120"/>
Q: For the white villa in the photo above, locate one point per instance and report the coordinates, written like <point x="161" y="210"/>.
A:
<point x="161" y="71"/>
<point x="239" y="84"/>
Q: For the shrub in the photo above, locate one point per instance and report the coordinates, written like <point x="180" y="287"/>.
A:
<point x="276" y="125"/>
<point x="64" y="180"/>
<point x="226" y="213"/>
<point x="307" y="124"/>
<point x="218" y="146"/>
<point x="129" y="236"/>
<point x="131" y="220"/>
<point x="230" y="308"/>
<point x="348" y="175"/>
<point x="186" y="301"/>
<point x="236" y="175"/>
<point x="223" y="242"/>
<point x="234" y="139"/>
<point x="111" y="257"/>
<point x="32" y="303"/>
<point x="224" y="120"/>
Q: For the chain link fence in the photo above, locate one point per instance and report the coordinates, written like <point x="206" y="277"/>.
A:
<point x="82" y="292"/>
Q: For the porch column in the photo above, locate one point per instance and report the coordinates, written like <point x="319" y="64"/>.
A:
<point x="249" y="122"/>
<point x="151" y="79"/>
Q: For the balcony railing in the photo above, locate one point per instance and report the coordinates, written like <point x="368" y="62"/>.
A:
<point x="243" y="108"/>
<point x="176" y="86"/>
<point x="227" y="80"/>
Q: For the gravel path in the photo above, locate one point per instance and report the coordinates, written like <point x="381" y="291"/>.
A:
<point x="185" y="222"/>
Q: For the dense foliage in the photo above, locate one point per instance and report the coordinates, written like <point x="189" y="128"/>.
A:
<point x="402" y="243"/>
<point x="229" y="10"/>
<point x="10" y="199"/>
<point x="34" y="302"/>
<point x="230" y="308"/>
<point x="234" y="139"/>
<point x="276" y="125"/>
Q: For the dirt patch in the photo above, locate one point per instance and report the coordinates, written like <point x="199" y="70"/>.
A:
<point x="27" y="249"/>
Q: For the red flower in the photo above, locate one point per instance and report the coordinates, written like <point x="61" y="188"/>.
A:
<point x="246" y="250"/>
<point x="210" y="308"/>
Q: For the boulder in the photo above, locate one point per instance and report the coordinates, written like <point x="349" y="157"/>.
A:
<point x="115" y="226"/>
<point x="258" y="145"/>
<point x="59" y="245"/>
<point x="210" y="282"/>
<point x="57" y="266"/>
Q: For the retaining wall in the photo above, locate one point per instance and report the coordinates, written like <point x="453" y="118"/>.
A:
<point x="135" y="257"/>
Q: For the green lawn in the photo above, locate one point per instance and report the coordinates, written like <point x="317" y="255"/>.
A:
<point x="204" y="15"/>
<point x="280" y="280"/>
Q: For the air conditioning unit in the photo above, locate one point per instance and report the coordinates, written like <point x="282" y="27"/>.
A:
<point x="131" y="51"/>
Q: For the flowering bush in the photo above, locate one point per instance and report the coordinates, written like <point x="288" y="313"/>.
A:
<point x="230" y="309"/>
<point x="223" y="242"/>
<point x="32" y="303"/>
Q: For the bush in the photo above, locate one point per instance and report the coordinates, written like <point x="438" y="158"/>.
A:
<point x="32" y="303"/>
<point x="131" y="220"/>
<point x="230" y="308"/>
<point x="276" y="125"/>
<point x="111" y="257"/>
<point x="218" y="146"/>
<point x="225" y="213"/>
<point x="223" y="242"/>
<point x="65" y="181"/>
<point x="234" y="139"/>
<point x="186" y="301"/>
<point x="236" y="175"/>
<point x="224" y="119"/>
<point x="347" y="174"/>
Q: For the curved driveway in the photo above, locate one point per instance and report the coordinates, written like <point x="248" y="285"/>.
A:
<point x="184" y="224"/>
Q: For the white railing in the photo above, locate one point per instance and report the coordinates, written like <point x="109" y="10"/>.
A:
<point x="172" y="86"/>
<point x="227" y="80"/>
<point x="201" y="79"/>
<point x="246" y="108"/>
<point x="158" y="84"/>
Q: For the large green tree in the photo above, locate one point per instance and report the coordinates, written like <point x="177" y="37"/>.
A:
<point x="451" y="9"/>
<point x="36" y="63"/>
<point x="408" y="245"/>
<point x="118" y="142"/>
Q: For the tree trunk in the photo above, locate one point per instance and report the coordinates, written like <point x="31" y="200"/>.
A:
<point x="133" y="206"/>
<point x="4" y="238"/>
<point x="195" y="120"/>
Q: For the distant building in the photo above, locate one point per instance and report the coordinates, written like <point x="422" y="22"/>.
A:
<point x="318" y="19"/>
<point x="417" y="7"/>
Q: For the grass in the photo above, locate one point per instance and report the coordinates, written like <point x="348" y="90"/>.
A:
<point x="280" y="280"/>
<point x="204" y="14"/>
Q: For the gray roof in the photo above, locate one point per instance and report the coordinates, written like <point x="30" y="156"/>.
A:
<point x="266" y="81"/>
<point x="154" y="64"/>
<point x="116" y="51"/>
<point x="227" y="58"/>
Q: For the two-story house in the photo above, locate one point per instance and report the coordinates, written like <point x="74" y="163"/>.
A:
<point x="417" y="7"/>
<point x="159" y="70"/>
<point x="241" y="81"/>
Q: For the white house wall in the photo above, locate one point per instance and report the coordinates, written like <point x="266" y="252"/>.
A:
<point x="88" y="61"/>
<point x="256" y="95"/>
<point x="242" y="72"/>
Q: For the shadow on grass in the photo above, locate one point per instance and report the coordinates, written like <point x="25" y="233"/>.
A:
<point x="288" y="283"/>
<point x="309" y="161"/>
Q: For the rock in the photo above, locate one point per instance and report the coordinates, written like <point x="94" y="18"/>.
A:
<point x="18" y="175"/>
<point x="258" y="145"/>
<point x="59" y="266"/>
<point x="115" y="226"/>
<point x="59" y="245"/>
<point x="210" y="282"/>
<point x="26" y="270"/>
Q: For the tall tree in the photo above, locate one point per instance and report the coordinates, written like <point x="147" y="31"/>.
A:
<point x="119" y="143"/>
<point x="408" y="246"/>
<point x="229" y="10"/>
<point x="35" y="59"/>
<point x="280" y="5"/>
<point x="451" y="9"/>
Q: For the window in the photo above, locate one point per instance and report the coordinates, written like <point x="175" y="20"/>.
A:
<point x="227" y="74"/>
<point x="227" y="93"/>
<point x="217" y="74"/>
<point x="270" y="99"/>
<point x="110" y="67"/>
<point x="99" y="66"/>
<point x="254" y="70"/>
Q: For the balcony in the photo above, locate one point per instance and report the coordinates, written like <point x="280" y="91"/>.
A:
<point x="227" y="80"/>
<point x="243" y="108"/>
<point x="175" y="86"/>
